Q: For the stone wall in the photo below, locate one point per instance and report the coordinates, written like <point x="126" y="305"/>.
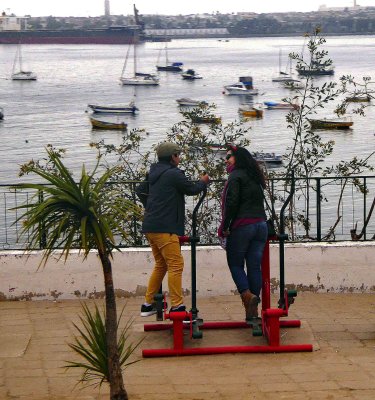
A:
<point x="339" y="267"/>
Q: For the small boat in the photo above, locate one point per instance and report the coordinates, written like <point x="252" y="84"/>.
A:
<point x="244" y="86"/>
<point x="168" y="66"/>
<point x="186" y="102"/>
<point x="114" y="108"/>
<point x="205" y="119"/>
<point x="250" y="111"/>
<point x="330" y="123"/>
<point x="138" y="78"/>
<point x="190" y="75"/>
<point x="269" y="158"/>
<point x="18" y="74"/>
<point x="174" y="67"/>
<point x="358" y="99"/>
<point x="100" y="124"/>
<point x="272" y="105"/>
<point x="293" y="84"/>
<point x="1" y="113"/>
<point x="316" y="69"/>
<point x="283" y="75"/>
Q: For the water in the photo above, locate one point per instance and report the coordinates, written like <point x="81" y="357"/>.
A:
<point x="52" y="109"/>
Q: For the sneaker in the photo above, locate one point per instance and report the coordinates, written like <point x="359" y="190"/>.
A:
<point x="146" y="311"/>
<point x="179" y="308"/>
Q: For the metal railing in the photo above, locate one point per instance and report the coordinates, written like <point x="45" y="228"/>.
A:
<point x="322" y="209"/>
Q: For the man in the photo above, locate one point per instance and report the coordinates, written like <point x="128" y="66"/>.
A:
<point x="163" y="199"/>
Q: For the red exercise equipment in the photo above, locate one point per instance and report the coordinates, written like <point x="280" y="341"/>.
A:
<point x="268" y="325"/>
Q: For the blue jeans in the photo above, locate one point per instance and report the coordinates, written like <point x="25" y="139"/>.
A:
<point x="246" y="244"/>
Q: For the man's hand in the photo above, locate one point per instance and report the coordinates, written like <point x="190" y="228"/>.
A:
<point x="205" y="178"/>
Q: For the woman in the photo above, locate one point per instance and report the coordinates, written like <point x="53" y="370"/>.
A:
<point x="243" y="227"/>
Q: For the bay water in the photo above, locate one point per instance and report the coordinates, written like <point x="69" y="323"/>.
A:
<point x="52" y="110"/>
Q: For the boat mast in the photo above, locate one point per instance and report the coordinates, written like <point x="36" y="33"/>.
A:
<point x="135" y="59"/>
<point x="125" y="62"/>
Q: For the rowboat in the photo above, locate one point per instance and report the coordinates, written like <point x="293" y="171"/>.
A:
<point x="250" y="111"/>
<point x="186" y="102"/>
<point x="205" y="119"/>
<point x="358" y="99"/>
<point x="100" y="124"/>
<point x="330" y="123"/>
<point x="114" y="108"/>
<point x="272" y="105"/>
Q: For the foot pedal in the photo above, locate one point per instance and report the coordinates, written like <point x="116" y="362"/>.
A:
<point x="256" y="324"/>
<point x="160" y="305"/>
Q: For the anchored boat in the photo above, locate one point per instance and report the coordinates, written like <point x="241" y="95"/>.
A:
<point x="101" y="124"/>
<point x="330" y="123"/>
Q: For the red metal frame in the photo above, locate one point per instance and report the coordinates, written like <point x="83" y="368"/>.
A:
<point x="271" y="324"/>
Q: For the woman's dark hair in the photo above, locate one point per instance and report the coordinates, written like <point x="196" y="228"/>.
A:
<point x="247" y="162"/>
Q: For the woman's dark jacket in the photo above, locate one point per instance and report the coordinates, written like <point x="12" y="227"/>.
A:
<point x="163" y="198"/>
<point x="243" y="198"/>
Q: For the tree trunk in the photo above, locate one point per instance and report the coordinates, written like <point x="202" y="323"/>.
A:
<point x="116" y="382"/>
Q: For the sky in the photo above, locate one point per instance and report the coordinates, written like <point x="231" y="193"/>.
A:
<point x="85" y="8"/>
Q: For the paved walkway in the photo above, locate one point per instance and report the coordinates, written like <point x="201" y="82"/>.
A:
<point x="34" y="337"/>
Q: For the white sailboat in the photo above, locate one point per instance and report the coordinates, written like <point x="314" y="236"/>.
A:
<point x="18" y="74"/>
<point x="284" y="76"/>
<point x="138" y="78"/>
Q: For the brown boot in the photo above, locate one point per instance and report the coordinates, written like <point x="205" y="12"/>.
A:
<point x="250" y="302"/>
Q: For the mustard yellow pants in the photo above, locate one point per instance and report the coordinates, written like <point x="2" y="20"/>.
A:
<point x="168" y="258"/>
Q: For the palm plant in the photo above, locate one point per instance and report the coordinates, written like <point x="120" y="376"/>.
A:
<point x="85" y="215"/>
<point x="92" y="347"/>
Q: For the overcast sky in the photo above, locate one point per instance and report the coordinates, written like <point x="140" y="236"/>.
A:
<point x="84" y="8"/>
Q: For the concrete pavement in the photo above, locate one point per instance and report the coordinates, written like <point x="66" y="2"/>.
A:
<point x="34" y="337"/>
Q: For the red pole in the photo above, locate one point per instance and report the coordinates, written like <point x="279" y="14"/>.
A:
<point x="225" y="350"/>
<point x="266" y="278"/>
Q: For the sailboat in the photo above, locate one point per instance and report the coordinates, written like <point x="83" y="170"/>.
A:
<point x="138" y="78"/>
<point x="284" y="76"/>
<point x="20" y="74"/>
<point x="170" y="67"/>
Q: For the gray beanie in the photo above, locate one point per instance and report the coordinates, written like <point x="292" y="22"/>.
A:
<point x="167" y="149"/>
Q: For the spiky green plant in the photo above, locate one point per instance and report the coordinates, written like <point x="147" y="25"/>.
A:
<point x="86" y="215"/>
<point x="91" y="346"/>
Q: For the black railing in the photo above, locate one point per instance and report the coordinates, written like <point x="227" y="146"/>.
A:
<point x="322" y="209"/>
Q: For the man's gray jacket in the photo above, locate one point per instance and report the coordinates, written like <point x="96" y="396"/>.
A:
<point x="163" y="198"/>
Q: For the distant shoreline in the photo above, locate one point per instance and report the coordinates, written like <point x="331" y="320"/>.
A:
<point x="262" y="35"/>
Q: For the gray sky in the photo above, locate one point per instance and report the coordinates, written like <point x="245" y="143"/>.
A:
<point x="86" y="8"/>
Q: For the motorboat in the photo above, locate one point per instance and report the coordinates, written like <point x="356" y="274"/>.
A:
<point x="102" y="124"/>
<point x="190" y="75"/>
<point x="114" y="108"/>
<point x="269" y="158"/>
<point x="331" y="123"/>
<point x="243" y="87"/>
<point x="273" y="105"/>
<point x="187" y="102"/>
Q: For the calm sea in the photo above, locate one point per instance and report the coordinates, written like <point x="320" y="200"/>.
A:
<point x="52" y="109"/>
